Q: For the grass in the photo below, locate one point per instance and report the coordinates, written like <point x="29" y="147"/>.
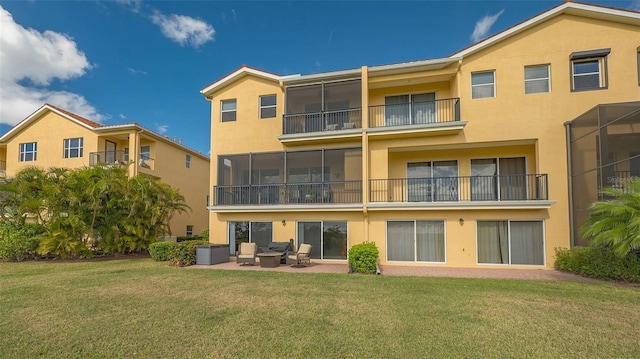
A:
<point x="140" y="308"/>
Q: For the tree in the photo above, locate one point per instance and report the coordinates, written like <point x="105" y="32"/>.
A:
<point x="616" y="222"/>
<point x="89" y="209"/>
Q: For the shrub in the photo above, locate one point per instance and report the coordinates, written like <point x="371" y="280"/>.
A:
<point x="161" y="251"/>
<point x="19" y="242"/>
<point x="363" y="257"/>
<point x="599" y="263"/>
<point x="185" y="238"/>
<point x="184" y="253"/>
<point x="204" y="235"/>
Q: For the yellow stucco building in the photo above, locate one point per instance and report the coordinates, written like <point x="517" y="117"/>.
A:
<point x="54" y="137"/>
<point x="458" y="161"/>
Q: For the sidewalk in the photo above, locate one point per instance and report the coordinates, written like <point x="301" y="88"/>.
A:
<point x="398" y="270"/>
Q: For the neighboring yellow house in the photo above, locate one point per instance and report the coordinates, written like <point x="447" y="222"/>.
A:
<point x="459" y="161"/>
<point x="53" y="137"/>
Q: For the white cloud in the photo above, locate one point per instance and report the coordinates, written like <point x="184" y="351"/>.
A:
<point x="122" y="116"/>
<point x="483" y="26"/>
<point x="38" y="58"/>
<point x="162" y="129"/>
<point x="184" y="30"/>
<point x="133" y="5"/>
<point x="136" y="72"/>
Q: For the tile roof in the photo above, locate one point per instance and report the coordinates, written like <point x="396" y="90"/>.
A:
<point x="76" y="117"/>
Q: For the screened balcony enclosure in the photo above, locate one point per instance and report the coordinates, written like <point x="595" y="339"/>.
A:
<point x="326" y="106"/>
<point x="328" y="176"/>
<point x="604" y="151"/>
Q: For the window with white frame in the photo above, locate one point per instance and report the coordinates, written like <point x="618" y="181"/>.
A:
<point x="189" y="230"/>
<point x="188" y="161"/>
<point x="328" y="239"/>
<point x="483" y="84"/>
<point x="537" y="79"/>
<point x="28" y="151"/>
<point x="73" y="147"/>
<point x="228" y="110"/>
<point x="589" y="70"/>
<point x="260" y="233"/>
<point x="416" y="241"/>
<point x="515" y="242"/>
<point x="268" y="106"/>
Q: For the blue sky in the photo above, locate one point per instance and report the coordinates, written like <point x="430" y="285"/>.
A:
<point x="146" y="61"/>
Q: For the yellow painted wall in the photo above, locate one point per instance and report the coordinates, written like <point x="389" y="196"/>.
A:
<point x="49" y="132"/>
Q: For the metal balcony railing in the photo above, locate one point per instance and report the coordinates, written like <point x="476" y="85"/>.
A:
<point x="108" y="158"/>
<point x="322" y="121"/>
<point x="415" y="113"/>
<point x="289" y="193"/>
<point x="531" y="187"/>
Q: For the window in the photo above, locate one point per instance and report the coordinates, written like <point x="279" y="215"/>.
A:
<point x="415" y="241"/>
<point x="188" y="161"/>
<point x="73" y="148"/>
<point x="126" y="154"/>
<point x="145" y="152"/>
<point x="328" y="239"/>
<point x="537" y="79"/>
<point x="589" y="70"/>
<point x="268" y="106"/>
<point x="499" y="179"/>
<point x="410" y="109"/>
<point x="483" y="84"/>
<point x="189" y="230"/>
<point x="260" y="233"/>
<point x="510" y="242"/>
<point x="432" y="181"/>
<point x="228" y="108"/>
<point x="28" y="151"/>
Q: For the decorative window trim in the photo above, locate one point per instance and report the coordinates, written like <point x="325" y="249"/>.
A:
<point x="590" y="56"/>
<point x="188" y="161"/>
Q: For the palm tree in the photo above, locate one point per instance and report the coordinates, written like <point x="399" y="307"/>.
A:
<point x="616" y="222"/>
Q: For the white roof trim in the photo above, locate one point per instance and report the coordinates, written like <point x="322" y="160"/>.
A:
<point x="239" y="72"/>
<point x="435" y="63"/>
<point x="37" y="113"/>
<point x="561" y="9"/>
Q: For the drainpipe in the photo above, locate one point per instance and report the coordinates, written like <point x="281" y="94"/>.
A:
<point x="572" y="240"/>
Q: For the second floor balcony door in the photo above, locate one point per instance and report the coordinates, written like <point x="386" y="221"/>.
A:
<point x="411" y="109"/>
<point x="432" y="181"/>
<point x="110" y="152"/>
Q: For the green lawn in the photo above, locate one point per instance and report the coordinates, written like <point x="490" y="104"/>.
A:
<point x="140" y="308"/>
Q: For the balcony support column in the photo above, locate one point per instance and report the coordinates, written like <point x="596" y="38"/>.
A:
<point x="365" y="140"/>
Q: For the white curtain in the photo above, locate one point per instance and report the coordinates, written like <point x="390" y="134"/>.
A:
<point x="400" y="241"/>
<point x="430" y="241"/>
<point x="527" y="245"/>
<point x="493" y="242"/>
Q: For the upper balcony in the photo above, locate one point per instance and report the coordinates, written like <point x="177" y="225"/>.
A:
<point x="432" y="117"/>
<point x="119" y="157"/>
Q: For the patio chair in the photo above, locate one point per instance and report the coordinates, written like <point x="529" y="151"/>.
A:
<point x="246" y="253"/>
<point x="300" y="258"/>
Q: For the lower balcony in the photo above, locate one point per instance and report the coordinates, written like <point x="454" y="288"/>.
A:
<point x="466" y="191"/>
<point x="341" y="192"/>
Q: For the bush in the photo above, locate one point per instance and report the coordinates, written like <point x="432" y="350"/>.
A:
<point x="204" y="235"/>
<point x="19" y="242"/>
<point x="161" y="251"/>
<point x="599" y="263"/>
<point x="363" y="257"/>
<point x="184" y="253"/>
<point x="185" y="238"/>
